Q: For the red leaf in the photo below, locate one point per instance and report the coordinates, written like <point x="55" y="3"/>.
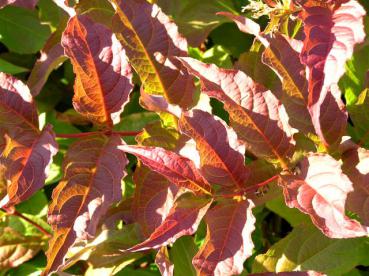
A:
<point x="183" y="219"/>
<point x="154" y="197"/>
<point x="221" y="154"/>
<point x="320" y="190"/>
<point x="27" y="157"/>
<point x="93" y="169"/>
<point x="103" y="75"/>
<point x="254" y="111"/>
<point x="163" y="262"/>
<point x="179" y="170"/>
<point x="356" y="166"/>
<point x="149" y="49"/>
<point x="29" y="4"/>
<point x="228" y="241"/>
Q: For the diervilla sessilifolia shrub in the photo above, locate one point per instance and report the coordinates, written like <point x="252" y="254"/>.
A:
<point x="291" y="135"/>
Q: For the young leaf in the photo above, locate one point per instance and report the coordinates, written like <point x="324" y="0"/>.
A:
<point x="222" y="155"/>
<point x="27" y="157"/>
<point x="149" y="50"/>
<point x="253" y="110"/>
<point x="228" y="241"/>
<point x="355" y="165"/>
<point x="16" y="248"/>
<point x="93" y="169"/>
<point x="183" y="219"/>
<point x="320" y="190"/>
<point x="103" y="75"/>
<point x="154" y="197"/>
<point x="179" y="170"/>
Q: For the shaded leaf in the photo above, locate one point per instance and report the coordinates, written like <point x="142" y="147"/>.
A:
<point x="10" y="68"/>
<point x="93" y="169"/>
<point x="306" y="248"/>
<point x="16" y="249"/>
<point x="179" y="170"/>
<point x="221" y="153"/>
<point x="103" y="75"/>
<point x="18" y="25"/>
<point x="183" y="219"/>
<point x="254" y="110"/>
<point x="320" y="191"/>
<point x="181" y="254"/>
<point x="149" y="49"/>
<point x="228" y="241"/>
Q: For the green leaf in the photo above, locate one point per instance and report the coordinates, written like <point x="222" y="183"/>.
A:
<point x="359" y="114"/>
<point x="181" y="254"/>
<point x="9" y="68"/>
<point x="21" y="31"/>
<point x="36" y="205"/>
<point x="217" y="55"/>
<point x="306" y="248"/>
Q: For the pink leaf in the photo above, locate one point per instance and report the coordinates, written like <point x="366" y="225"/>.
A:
<point x="103" y="76"/>
<point x="254" y="111"/>
<point x="221" y="154"/>
<point x="183" y="219"/>
<point x="320" y="190"/>
<point x="228" y="241"/>
<point x="163" y="262"/>
<point x="179" y="170"/>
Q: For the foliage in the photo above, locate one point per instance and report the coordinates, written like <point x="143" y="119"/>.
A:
<point x="183" y="137"/>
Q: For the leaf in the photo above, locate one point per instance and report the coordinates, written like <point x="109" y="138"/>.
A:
<point x="228" y="241"/>
<point x="181" y="254"/>
<point x="52" y="56"/>
<point x="162" y="261"/>
<point x="355" y="165"/>
<point x="285" y="61"/>
<point x="320" y="191"/>
<point x="253" y="110"/>
<point x="150" y="48"/>
<point x="18" y="25"/>
<point x="93" y="169"/>
<point x="306" y="248"/>
<point x="179" y="170"/>
<point x="29" y="4"/>
<point x="329" y="43"/>
<point x="10" y="68"/>
<point x="16" y="249"/>
<point x="195" y="19"/>
<point x="27" y="157"/>
<point x="183" y="219"/>
<point x="154" y="197"/>
<point x="103" y="76"/>
<point x="221" y="153"/>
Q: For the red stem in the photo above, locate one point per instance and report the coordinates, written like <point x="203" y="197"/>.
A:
<point x="126" y="133"/>
<point x="14" y="212"/>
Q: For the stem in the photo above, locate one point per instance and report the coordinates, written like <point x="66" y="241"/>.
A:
<point x="14" y="212"/>
<point x="107" y="132"/>
<point x="262" y="184"/>
<point x="126" y="133"/>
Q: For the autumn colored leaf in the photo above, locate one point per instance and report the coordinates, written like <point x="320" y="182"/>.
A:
<point x="254" y="111"/>
<point x="183" y="219"/>
<point x="29" y="4"/>
<point x="221" y="153"/>
<point x="285" y="61"/>
<point x="103" y="76"/>
<point x="179" y="170"/>
<point x="154" y="197"/>
<point x="355" y="165"/>
<point x="321" y="190"/>
<point x="93" y="169"/>
<point x="150" y="48"/>
<point x="163" y="262"/>
<point x="228" y="241"/>
<point x="16" y="248"/>
<point x="27" y="157"/>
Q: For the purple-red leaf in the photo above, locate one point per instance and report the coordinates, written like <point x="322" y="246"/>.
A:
<point x="221" y="153"/>
<point x="27" y="157"/>
<point x="163" y="262"/>
<point x="179" y="170"/>
<point x="154" y="197"/>
<point x="320" y="190"/>
<point x="93" y="169"/>
<point x="254" y="111"/>
<point x="29" y="4"/>
<point x="356" y="166"/>
<point x="103" y="75"/>
<point x="183" y="219"/>
<point x="228" y="242"/>
<point x="150" y="39"/>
